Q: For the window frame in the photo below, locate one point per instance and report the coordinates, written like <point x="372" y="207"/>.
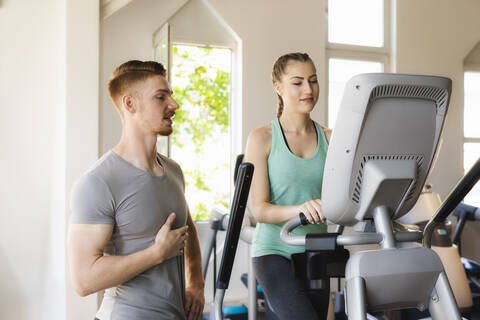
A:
<point x="468" y="68"/>
<point x="358" y="52"/>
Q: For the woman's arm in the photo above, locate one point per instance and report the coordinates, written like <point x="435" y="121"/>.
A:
<point x="258" y="149"/>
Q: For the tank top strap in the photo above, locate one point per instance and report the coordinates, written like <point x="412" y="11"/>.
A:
<point x="278" y="142"/>
<point x="321" y="137"/>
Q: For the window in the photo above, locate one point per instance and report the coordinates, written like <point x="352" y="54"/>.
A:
<point x="201" y="138"/>
<point x="356" y="22"/>
<point x="340" y="71"/>
<point x="358" y="42"/>
<point x="161" y="53"/>
<point x="471" y="129"/>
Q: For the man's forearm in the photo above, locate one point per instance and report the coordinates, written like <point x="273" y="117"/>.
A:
<point x="193" y="257"/>
<point x="109" y="271"/>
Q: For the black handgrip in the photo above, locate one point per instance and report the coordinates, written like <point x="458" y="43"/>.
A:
<point x="303" y="219"/>
<point x="237" y="211"/>
<point x="463" y="187"/>
<point x="458" y="231"/>
<point x="464" y="212"/>
<point x="467" y="211"/>
<point x="458" y="193"/>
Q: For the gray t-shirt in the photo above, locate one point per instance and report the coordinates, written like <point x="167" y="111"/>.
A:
<point x="137" y="204"/>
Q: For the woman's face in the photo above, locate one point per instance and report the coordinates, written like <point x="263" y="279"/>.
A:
<point x="298" y="87"/>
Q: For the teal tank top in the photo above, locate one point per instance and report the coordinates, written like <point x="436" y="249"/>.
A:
<point x="293" y="180"/>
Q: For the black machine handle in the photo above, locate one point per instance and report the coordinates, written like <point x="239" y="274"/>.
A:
<point x="462" y="188"/>
<point x="464" y="213"/>
<point x="237" y="211"/>
<point x="467" y="212"/>
<point x="303" y="219"/>
<point x="238" y="162"/>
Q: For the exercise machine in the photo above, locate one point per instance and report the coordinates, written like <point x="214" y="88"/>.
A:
<point x="237" y="211"/>
<point x="442" y="244"/>
<point x="380" y="153"/>
<point x="219" y="219"/>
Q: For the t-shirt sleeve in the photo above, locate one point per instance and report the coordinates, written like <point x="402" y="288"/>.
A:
<point x="91" y="201"/>
<point x="182" y="177"/>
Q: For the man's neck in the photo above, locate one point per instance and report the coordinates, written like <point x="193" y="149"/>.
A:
<point x="139" y="149"/>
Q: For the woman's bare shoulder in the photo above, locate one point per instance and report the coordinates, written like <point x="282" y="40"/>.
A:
<point x="328" y="133"/>
<point x="262" y="133"/>
<point x="261" y="138"/>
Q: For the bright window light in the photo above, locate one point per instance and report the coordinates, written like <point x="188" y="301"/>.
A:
<point x="340" y="71"/>
<point x="471" y="113"/>
<point x="471" y="152"/>
<point x="200" y="142"/>
<point x="356" y="22"/>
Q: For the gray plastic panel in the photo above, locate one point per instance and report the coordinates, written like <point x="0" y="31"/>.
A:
<point x="396" y="279"/>
<point x="382" y="116"/>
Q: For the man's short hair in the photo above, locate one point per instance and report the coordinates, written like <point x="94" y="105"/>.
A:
<point x="127" y="75"/>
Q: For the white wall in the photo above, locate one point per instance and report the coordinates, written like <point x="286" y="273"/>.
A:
<point x="195" y="23"/>
<point x="48" y="135"/>
<point x="434" y="37"/>
<point x="81" y="118"/>
<point x="473" y="57"/>
<point x="31" y="78"/>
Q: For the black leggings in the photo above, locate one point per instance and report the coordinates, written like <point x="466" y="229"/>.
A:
<point x="275" y="275"/>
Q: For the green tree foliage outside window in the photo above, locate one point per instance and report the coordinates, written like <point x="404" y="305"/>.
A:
<point x="201" y="138"/>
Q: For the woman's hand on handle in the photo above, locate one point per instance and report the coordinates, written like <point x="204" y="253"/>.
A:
<point x="313" y="211"/>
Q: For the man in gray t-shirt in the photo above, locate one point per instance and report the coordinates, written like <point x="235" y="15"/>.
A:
<point x="130" y="223"/>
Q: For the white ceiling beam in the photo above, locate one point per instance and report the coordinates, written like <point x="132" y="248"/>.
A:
<point x="109" y="7"/>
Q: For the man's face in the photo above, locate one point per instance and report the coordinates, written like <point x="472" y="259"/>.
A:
<point x="155" y="106"/>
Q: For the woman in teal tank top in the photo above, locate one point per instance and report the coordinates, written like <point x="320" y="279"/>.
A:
<point x="289" y="158"/>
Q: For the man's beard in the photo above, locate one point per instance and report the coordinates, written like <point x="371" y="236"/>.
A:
<point x="165" y="132"/>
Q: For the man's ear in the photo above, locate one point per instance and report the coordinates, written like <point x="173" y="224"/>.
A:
<point x="129" y="104"/>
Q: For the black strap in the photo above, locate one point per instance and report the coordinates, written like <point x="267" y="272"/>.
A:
<point x="285" y="138"/>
